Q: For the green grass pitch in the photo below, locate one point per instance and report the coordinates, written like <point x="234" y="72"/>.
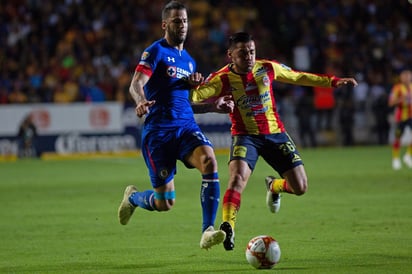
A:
<point x="61" y="217"/>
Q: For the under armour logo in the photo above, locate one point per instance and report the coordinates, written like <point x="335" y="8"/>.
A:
<point x="171" y="59"/>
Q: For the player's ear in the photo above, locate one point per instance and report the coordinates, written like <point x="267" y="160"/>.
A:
<point x="229" y="54"/>
<point x="164" y="25"/>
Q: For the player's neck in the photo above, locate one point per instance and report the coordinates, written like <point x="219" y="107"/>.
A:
<point x="179" y="46"/>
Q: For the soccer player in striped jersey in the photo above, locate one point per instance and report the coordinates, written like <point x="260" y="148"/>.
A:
<point x="160" y="88"/>
<point x="401" y="99"/>
<point x="257" y="129"/>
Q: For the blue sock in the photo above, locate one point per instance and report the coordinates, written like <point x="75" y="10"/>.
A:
<point x="143" y="199"/>
<point x="209" y="198"/>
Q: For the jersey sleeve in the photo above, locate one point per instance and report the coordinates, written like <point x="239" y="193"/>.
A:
<point x="211" y="88"/>
<point x="148" y="61"/>
<point x="287" y="75"/>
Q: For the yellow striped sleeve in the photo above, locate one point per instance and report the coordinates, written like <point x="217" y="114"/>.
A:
<point x="285" y="74"/>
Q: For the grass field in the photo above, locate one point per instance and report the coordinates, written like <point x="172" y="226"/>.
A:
<point x="61" y="217"/>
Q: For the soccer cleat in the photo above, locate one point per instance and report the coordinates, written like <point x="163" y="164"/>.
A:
<point x="407" y="160"/>
<point x="396" y="163"/>
<point x="272" y="199"/>
<point x="126" y="209"/>
<point x="229" y="242"/>
<point x="211" y="237"/>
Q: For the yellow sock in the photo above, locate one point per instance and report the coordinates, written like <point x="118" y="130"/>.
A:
<point x="230" y="206"/>
<point x="409" y="150"/>
<point x="280" y="185"/>
<point x="395" y="153"/>
<point x="229" y="214"/>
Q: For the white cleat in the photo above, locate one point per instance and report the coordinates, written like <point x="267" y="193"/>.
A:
<point x="211" y="237"/>
<point x="272" y="199"/>
<point x="126" y="209"/>
<point x="407" y="160"/>
<point x="396" y="164"/>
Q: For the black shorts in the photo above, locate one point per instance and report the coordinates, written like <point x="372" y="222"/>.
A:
<point x="278" y="150"/>
<point x="400" y="127"/>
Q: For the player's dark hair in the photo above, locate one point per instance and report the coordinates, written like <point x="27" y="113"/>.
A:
<point x="172" y="5"/>
<point x="239" y="37"/>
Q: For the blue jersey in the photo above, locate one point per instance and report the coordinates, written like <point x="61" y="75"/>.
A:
<point x="170" y="131"/>
<point x="168" y="69"/>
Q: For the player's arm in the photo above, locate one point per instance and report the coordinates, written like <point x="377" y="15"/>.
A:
<point x="136" y="90"/>
<point x="287" y="75"/>
<point x="223" y="104"/>
<point x="207" y="97"/>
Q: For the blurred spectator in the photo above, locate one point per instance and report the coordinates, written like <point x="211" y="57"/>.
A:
<point x="305" y="112"/>
<point x="27" y="138"/>
<point x="18" y="94"/>
<point x="379" y="98"/>
<point x="324" y="102"/>
<point x="346" y="115"/>
<point x="44" y="43"/>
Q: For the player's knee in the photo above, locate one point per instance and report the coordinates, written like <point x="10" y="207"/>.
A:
<point x="208" y="163"/>
<point x="301" y="188"/>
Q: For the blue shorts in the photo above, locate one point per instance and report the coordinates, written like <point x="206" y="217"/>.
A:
<point x="162" y="148"/>
<point x="278" y="150"/>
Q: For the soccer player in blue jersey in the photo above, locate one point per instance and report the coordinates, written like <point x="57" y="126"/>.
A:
<point x="160" y="88"/>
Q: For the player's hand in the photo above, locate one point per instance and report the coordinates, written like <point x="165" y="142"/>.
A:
<point x="143" y="106"/>
<point x="225" y="104"/>
<point x="346" y="81"/>
<point x="195" y="79"/>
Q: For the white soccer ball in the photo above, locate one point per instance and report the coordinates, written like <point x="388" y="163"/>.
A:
<point x="263" y="252"/>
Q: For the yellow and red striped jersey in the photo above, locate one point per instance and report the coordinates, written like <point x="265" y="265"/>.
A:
<point x="255" y="110"/>
<point x="403" y="93"/>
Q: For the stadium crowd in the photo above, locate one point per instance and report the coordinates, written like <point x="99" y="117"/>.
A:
<point x="86" y="50"/>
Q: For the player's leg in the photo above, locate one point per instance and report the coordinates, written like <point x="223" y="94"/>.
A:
<point x="204" y="160"/>
<point x="396" y="146"/>
<point x="243" y="158"/>
<point x="407" y="158"/>
<point x="156" y="153"/>
<point x="197" y="152"/>
<point x="160" y="199"/>
<point x="239" y="173"/>
<point x="285" y="159"/>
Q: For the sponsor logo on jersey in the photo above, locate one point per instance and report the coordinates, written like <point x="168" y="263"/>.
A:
<point x="177" y="72"/>
<point x="171" y="71"/>
<point x="250" y="86"/>
<point x="170" y="59"/>
<point x="246" y="102"/>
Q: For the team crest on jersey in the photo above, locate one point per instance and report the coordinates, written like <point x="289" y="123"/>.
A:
<point x="190" y="66"/>
<point x="266" y="81"/>
<point x="145" y="55"/>
<point x="171" y="71"/>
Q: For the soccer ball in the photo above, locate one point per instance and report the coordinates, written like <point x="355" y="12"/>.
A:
<point x="263" y="252"/>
